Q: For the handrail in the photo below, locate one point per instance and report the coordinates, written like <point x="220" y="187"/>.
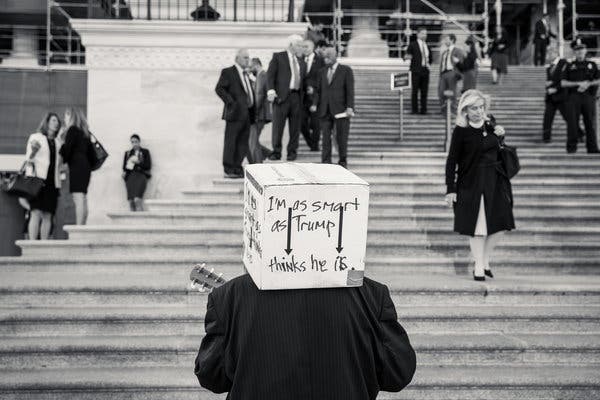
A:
<point x="451" y="19"/>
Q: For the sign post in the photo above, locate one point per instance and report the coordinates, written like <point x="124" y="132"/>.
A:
<point x="400" y="81"/>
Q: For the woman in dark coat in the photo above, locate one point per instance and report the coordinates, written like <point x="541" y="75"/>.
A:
<point x="76" y="153"/>
<point x="468" y="66"/>
<point x="478" y="190"/>
<point x="499" y="54"/>
<point x="136" y="172"/>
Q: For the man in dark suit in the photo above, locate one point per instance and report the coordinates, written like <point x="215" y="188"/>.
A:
<point x="334" y="104"/>
<point x="334" y="343"/>
<point x="451" y="57"/>
<point x="235" y="89"/>
<point x="419" y="54"/>
<point x="556" y="96"/>
<point x="285" y="81"/>
<point x="541" y="40"/>
<point x="310" y="122"/>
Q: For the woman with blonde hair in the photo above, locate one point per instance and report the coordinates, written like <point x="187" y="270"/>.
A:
<point x="76" y="153"/>
<point x="43" y="161"/>
<point x="478" y="190"/>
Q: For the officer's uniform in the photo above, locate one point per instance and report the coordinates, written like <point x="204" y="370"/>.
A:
<point x="581" y="103"/>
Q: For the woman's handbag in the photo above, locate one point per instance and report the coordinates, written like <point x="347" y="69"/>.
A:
<point x="510" y="160"/>
<point x="25" y="186"/>
<point x="97" y="153"/>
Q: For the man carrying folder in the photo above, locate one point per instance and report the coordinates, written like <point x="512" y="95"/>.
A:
<point x="333" y="102"/>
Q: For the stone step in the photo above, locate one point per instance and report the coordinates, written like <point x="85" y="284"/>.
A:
<point x="459" y="382"/>
<point x="187" y="319"/>
<point x="217" y="234"/>
<point x="441" y="349"/>
<point x="231" y="265"/>
<point x="558" y="184"/>
<point x="152" y="289"/>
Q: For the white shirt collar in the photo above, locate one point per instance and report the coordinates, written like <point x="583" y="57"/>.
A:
<point x="334" y="66"/>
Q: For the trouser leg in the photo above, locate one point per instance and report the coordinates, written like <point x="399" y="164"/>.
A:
<point x="241" y="146"/>
<point x="326" y="126"/>
<point x="342" y="130"/>
<point x="587" y="111"/>
<point x="280" y="112"/>
<point x="549" y="112"/>
<point x="414" y="91"/>
<point x="573" y="111"/>
<point x="294" y="124"/>
<point x="232" y="129"/>
<point x="423" y="87"/>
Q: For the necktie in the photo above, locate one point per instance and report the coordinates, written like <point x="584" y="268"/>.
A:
<point x="445" y="61"/>
<point x="329" y="75"/>
<point x="248" y="88"/>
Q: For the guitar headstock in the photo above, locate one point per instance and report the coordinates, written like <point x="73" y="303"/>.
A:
<point x="204" y="279"/>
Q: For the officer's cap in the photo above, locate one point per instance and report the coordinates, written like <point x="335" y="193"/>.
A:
<point x="577" y="44"/>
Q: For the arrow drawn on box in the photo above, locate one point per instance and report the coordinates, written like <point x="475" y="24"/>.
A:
<point x="339" y="247"/>
<point x="251" y="236"/>
<point x="288" y="250"/>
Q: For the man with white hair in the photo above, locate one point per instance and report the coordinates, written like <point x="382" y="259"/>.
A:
<point x="285" y="81"/>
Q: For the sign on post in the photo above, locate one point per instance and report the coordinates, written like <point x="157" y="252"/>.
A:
<point x="398" y="82"/>
<point x="305" y="226"/>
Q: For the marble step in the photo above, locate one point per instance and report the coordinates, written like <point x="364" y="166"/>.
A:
<point x="437" y="349"/>
<point x="532" y="382"/>
<point x="139" y="287"/>
<point x="231" y="265"/>
<point x="219" y="234"/>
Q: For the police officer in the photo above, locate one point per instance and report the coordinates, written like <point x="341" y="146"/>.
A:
<point x="581" y="78"/>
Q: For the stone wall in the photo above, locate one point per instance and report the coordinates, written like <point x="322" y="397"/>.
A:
<point x="157" y="78"/>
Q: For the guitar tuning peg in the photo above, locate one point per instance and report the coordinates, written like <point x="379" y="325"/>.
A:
<point x="211" y="271"/>
<point x="219" y="277"/>
<point x="202" y="288"/>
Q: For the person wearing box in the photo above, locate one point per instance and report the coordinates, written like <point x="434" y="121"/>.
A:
<point x="44" y="161"/>
<point x="479" y="192"/>
<point x="136" y="172"/>
<point x="76" y="153"/>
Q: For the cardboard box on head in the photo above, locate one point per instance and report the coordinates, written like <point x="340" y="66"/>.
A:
<point x="305" y="226"/>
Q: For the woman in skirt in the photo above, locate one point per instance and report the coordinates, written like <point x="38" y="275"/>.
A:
<point x="136" y="172"/>
<point x="476" y="186"/>
<point x="44" y="161"/>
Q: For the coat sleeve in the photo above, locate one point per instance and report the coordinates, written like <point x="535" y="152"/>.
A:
<point x="125" y="157"/>
<point x="210" y="362"/>
<point x="260" y="91"/>
<point x="398" y="359"/>
<point x="272" y="73"/>
<point x="222" y="88"/>
<point x="350" y="88"/>
<point x="452" y="161"/>
<point x="317" y="89"/>
<point x="146" y="164"/>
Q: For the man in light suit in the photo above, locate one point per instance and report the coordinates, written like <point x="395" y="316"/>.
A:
<point x="235" y="89"/>
<point x="541" y="40"/>
<point x="310" y="122"/>
<point x="334" y="104"/>
<point x="285" y="81"/>
<point x="419" y="54"/>
<point x="449" y="73"/>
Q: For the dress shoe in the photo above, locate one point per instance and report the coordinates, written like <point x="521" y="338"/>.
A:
<point x="274" y="157"/>
<point x="571" y="151"/>
<point x="292" y="157"/>
<point x="488" y="272"/>
<point x="315" y="149"/>
<point x="424" y="113"/>
<point x="547" y="140"/>
<point x="594" y="151"/>
<point x="231" y="175"/>
<point x="478" y="278"/>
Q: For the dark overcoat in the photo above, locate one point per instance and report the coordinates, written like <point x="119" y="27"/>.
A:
<point x="334" y="343"/>
<point x="471" y="180"/>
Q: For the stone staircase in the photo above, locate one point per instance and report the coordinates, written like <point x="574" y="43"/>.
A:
<point x="107" y="314"/>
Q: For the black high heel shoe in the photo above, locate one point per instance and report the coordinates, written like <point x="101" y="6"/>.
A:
<point x="488" y="272"/>
<point x="478" y="278"/>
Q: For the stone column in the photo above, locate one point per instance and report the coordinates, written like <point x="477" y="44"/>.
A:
<point x="157" y="79"/>
<point x="24" y="53"/>
<point x="366" y="40"/>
